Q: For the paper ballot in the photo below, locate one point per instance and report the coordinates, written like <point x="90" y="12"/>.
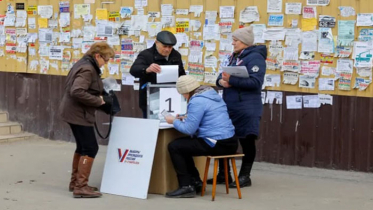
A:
<point x="169" y="73"/>
<point x="237" y="71"/>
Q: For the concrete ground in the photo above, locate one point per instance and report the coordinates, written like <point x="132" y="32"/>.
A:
<point x="34" y="175"/>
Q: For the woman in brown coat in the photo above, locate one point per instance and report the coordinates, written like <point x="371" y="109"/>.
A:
<point x="82" y="96"/>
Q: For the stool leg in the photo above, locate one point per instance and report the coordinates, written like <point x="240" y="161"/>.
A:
<point x="236" y="177"/>
<point x="226" y="175"/>
<point x="205" y="176"/>
<point x="214" y="179"/>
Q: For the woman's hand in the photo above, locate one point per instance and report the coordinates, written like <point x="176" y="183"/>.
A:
<point x="225" y="76"/>
<point x="102" y="100"/>
<point x="169" y="119"/>
<point x="225" y="84"/>
<point x="180" y="117"/>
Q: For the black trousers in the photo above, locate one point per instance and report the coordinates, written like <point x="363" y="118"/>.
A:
<point x="85" y="138"/>
<point x="249" y="149"/>
<point x="183" y="149"/>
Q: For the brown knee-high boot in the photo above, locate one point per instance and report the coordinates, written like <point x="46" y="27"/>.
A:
<point x="74" y="173"/>
<point x="82" y="190"/>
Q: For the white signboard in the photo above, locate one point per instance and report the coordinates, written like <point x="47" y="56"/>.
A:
<point x="170" y="100"/>
<point x="130" y="157"/>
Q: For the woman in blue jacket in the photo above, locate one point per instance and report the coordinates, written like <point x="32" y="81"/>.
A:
<point x="210" y="131"/>
<point x="243" y="98"/>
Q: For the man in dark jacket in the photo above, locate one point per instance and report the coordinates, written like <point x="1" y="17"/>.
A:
<point x="148" y="62"/>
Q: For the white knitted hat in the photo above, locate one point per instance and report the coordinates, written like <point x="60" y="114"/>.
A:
<point x="245" y="35"/>
<point x="186" y="84"/>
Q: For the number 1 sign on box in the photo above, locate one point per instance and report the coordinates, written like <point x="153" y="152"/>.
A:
<point x="170" y="100"/>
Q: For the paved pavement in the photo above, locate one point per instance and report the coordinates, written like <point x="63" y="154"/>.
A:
<point x="34" y="175"/>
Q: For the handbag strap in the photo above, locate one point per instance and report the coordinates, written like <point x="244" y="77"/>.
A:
<point x="111" y="119"/>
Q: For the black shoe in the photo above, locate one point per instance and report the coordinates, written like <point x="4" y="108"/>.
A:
<point x="244" y="181"/>
<point x="198" y="186"/>
<point x="183" y="192"/>
<point x="221" y="179"/>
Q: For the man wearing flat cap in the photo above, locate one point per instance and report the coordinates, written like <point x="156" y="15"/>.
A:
<point x="148" y="62"/>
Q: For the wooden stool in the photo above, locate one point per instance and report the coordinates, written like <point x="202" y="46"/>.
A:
<point x="225" y="157"/>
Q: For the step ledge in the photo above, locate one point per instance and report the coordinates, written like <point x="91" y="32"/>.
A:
<point x="18" y="135"/>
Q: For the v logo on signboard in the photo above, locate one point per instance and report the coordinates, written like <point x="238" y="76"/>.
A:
<point x="121" y="155"/>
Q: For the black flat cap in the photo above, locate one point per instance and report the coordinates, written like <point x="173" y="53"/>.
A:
<point x="166" y="38"/>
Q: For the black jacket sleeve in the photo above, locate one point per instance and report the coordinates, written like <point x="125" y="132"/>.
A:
<point x="138" y="68"/>
<point x="181" y="67"/>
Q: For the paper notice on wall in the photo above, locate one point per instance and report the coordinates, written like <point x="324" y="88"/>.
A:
<point x="326" y="42"/>
<point x="211" y="32"/>
<point x="196" y="9"/>
<point x="141" y="3"/>
<point x="306" y="81"/>
<point x="311" y="101"/>
<point x="195" y="56"/>
<point x="362" y="84"/>
<point x="292" y="66"/>
<point x="326" y="99"/>
<point x="55" y="52"/>
<point x="294" y="102"/>
<point x="318" y="2"/>
<point x="309" y="12"/>
<point x="182" y="11"/>
<point x="364" y="19"/>
<point x="274" y="6"/>
<point x="346" y="32"/>
<point x="364" y="72"/>
<point x="258" y="33"/>
<point x="272" y="80"/>
<point x="310" y="67"/>
<point x="81" y="10"/>
<point x="226" y="11"/>
<point x="290" y="78"/>
<point x="210" y="17"/>
<point x="167" y="9"/>
<point x="113" y="68"/>
<point x="276" y="20"/>
<point x="139" y="22"/>
<point x="31" y="23"/>
<point x="291" y="53"/>
<point x="210" y="78"/>
<point x="275" y="33"/>
<point x="347" y="11"/>
<point x="309" y="24"/>
<point x="104" y="30"/>
<point x="344" y="84"/>
<point x="343" y="52"/>
<point x="276" y="49"/>
<point x="9" y="20"/>
<point x="168" y="21"/>
<point x="126" y="12"/>
<point x="309" y="41"/>
<point x="196" y="70"/>
<point x="293" y="37"/>
<point x="211" y="61"/>
<point x="127" y="79"/>
<point x="44" y="66"/>
<point x="328" y="71"/>
<point x="326" y="21"/>
<point x="362" y="54"/>
<point x="273" y="63"/>
<point x="273" y="97"/>
<point x="326" y="84"/>
<point x="307" y="55"/>
<point x="344" y="65"/>
<point x="293" y="8"/>
<point x="45" y="11"/>
<point x="249" y="14"/>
